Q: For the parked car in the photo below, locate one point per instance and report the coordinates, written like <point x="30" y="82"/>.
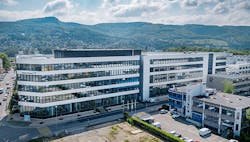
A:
<point x="175" y="115"/>
<point x="163" y="111"/>
<point x="172" y="132"/>
<point x="157" y="124"/>
<point x="232" y="140"/>
<point x="189" y="140"/>
<point x="4" y="98"/>
<point x="177" y="135"/>
<point x="204" y="132"/>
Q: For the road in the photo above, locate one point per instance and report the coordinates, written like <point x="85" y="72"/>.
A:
<point x="22" y="134"/>
<point x="7" y="82"/>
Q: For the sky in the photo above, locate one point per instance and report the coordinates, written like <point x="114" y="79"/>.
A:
<point x="175" y="12"/>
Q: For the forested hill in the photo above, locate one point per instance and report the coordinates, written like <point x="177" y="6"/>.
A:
<point x="49" y="32"/>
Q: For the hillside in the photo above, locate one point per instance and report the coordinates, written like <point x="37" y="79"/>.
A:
<point x="49" y="33"/>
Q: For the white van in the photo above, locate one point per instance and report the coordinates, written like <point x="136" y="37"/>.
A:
<point x="157" y="124"/>
<point x="204" y="131"/>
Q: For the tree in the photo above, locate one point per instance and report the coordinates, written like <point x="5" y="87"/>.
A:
<point x="6" y="61"/>
<point x="248" y="114"/>
<point x="228" y="86"/>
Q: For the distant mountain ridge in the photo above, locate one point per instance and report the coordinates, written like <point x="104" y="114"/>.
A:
<point x="49" y="32"/>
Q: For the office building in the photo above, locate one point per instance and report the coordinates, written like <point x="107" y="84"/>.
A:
<point x="160" y="71"/>
<point x="77" y="80"/>
<point x="217" y="62"/>
<point x="240" y="84"/>
<point x="242" y="68"/>
<point x="234" y="59"/>
<point x="221" y="112"/>
<point x="180" y="98"/>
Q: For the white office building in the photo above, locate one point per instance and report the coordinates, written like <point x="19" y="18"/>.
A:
<point x="242" y="68"/>
<point x="217" y="62"/>
<point x="163" y="70"/>
<point x="76" y="80"/>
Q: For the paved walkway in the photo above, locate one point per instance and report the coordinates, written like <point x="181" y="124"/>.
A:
<point x="81" y="116"/>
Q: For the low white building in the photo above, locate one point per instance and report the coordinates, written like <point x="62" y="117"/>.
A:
<point x="242" y="68"/>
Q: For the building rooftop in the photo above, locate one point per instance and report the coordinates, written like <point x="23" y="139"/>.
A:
<point x="230" y="76"/>
<point x="228" y="100"/>
<point x="173" y="53"/>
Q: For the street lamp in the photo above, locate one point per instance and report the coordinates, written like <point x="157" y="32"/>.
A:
<point x="56" y="116"/>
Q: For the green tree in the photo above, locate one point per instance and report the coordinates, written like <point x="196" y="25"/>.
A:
<point x="248" y="114"/>
<point x="228" y="86"/>
<point x="6" y="61"/>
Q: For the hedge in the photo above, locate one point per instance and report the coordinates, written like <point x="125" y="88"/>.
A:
<point x="163" y="134"/>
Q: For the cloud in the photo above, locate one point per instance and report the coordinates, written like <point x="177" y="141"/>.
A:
<point x="221" y="8"/>
<point x="244" y="5"/>
<point x="133" y="10"/>
<point x="6" y="15"/>
<point x="9" y="2"/>
<point x="189" y="3"/>
<point x="136" y="8"/>
<point x="57" y="7"/>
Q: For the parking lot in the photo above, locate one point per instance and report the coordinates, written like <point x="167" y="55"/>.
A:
<point x="186" y="129"/>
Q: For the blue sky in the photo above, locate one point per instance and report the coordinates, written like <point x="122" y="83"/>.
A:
<point x="208" y="12"/>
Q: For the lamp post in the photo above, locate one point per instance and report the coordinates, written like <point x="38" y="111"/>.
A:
<point x="56" y="116"/>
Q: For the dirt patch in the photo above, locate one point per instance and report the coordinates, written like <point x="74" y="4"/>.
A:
<point x="114" y="133"/>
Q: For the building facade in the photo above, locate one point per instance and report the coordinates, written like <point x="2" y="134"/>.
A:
<point x="240" y="83"/>
<point x="77" y="80"/>
<point x="239" y="68"/>
<point x="217" y="62"/>
<point x="163" y="70"/>
<point x="221" y="112"/>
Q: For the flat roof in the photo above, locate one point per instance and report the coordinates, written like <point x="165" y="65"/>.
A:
<point x="230" y="76"/>
<point x="95" y="49"/>
<point x="227" y="100"/>
<point x="173" y="53"/>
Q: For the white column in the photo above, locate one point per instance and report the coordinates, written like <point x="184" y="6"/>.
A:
<point x="219" y="122"/>
<point x="203" y="113"/>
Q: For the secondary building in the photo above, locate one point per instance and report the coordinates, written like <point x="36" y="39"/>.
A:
<point x="239" y="68"/>
<point x="221" y="112"/>
<point x="239" y="84"/>
<point x="77" y="80"/>
<point x="160" y="71"/>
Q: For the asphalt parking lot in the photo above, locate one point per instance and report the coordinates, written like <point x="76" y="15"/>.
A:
<point x="184" y="128"/>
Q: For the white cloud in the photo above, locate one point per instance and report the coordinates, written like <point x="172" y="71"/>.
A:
<point x="17" y="15"/>
<point x="221" y="8"/>
<point x="9" y="2"/>
<point x="215" y="12"/>
<point x="189" y="4"/>
<point x="57" y="7"/>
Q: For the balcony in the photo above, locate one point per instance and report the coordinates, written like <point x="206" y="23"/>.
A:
<point x="211" y="124"/>
<point x="197" y="109"/>
<point x="211" y="113"/>
<point x="227" y="117"/>
<point x="175" y="105"/>
<point x="175" y="97"/>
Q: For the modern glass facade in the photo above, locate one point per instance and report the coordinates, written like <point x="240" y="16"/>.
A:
<point x="53" y="86"/>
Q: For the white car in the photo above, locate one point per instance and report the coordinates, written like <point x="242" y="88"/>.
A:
<point x="172" y="132"/>
<point x="163" y="111"/>
<point x="204" y="132"/>
<point x="175" y="115"/>
<point x="189" y="140"/>
<point x="232" y="140"/>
